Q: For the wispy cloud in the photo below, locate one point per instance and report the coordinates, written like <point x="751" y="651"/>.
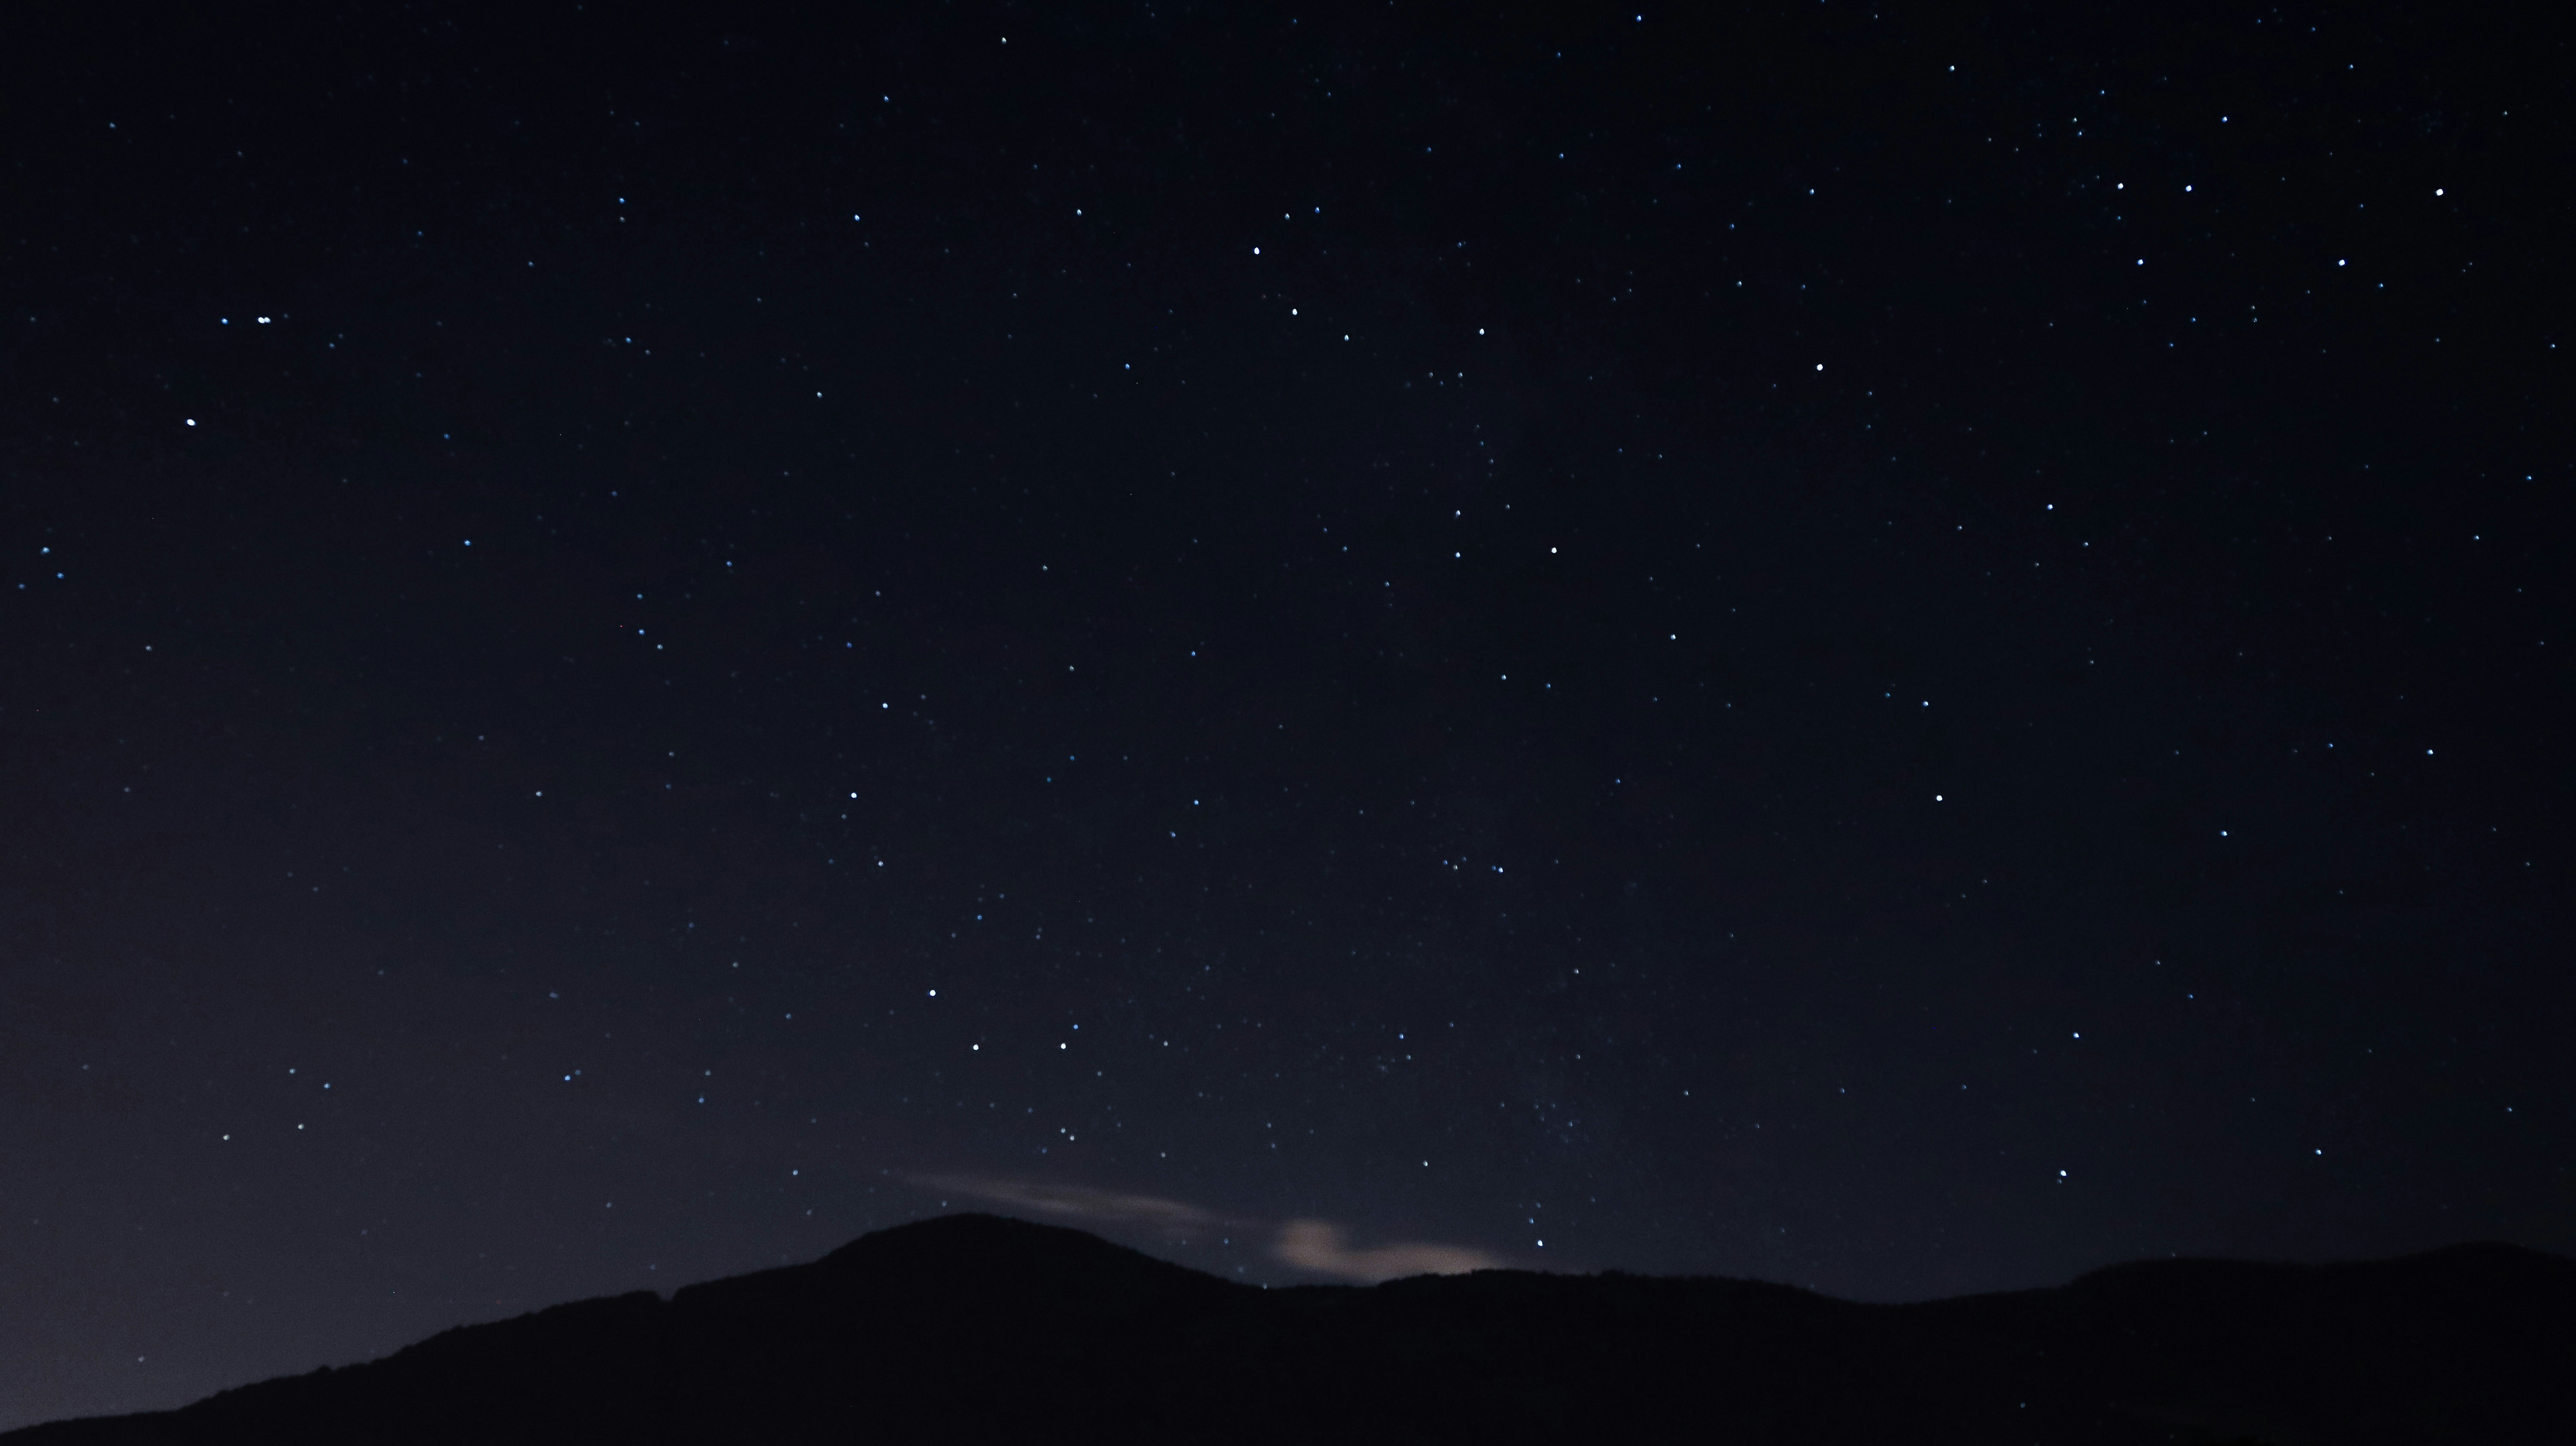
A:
<point x="1071" y="1202"/>
<point x="1318" y="1246"/>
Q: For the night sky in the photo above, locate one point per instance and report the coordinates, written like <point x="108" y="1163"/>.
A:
<point x="1907" y="650"/>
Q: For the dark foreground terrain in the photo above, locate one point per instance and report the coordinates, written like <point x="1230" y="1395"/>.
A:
<point x="973" y="1328"/>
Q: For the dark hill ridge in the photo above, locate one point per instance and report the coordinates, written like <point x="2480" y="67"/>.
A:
<point x="971" y="1326"/>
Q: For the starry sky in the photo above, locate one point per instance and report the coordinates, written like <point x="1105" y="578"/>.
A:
<point x="1910" y="649"/>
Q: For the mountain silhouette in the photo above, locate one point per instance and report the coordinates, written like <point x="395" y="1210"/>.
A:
<point x="975" y="1327"/>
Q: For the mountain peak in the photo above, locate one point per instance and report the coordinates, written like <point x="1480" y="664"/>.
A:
<point x="983" y="1326"/>
<point x="970" y="1237"/>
